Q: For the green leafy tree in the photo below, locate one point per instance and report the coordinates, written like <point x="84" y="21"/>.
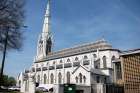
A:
<point x="8" y="81"/>
<point x="11" y="81"/>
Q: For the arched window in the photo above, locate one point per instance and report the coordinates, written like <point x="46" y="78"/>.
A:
<point x="42" y="64"/>
<point x="113" y="58"/>
<point x="40" y="45"/>
<point x="36" y="65"/>
<point x="85" y="57"/>
<point x="53" y="62"/>
<point x="105" y="80"/>
<point x="94" y="55"/>
<point x="80" y="77"/>
<point x="68" y="60"/>
<point x="61" y="61"/>
<point x="98" y="79"/>
<point x="76" y="59"/>
<point x="47" y="64"/>
<point x="97" y="64"/>
<point x="52" y="78"/>
<point x="76" y="79"/>
<point x="104" y="61"/>
<point x="45" y="78"/>
<point x="68" y="77"/>
<point x="84" y="77"/>
<point x="59" y="78"/>
<point x="38" y="78"/>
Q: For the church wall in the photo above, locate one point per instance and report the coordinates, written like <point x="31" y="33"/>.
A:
<point x="80" y="57"/>
<point x="84" y="73"/>
<point x="108" y="55"/>
<point x="56" y="71"/>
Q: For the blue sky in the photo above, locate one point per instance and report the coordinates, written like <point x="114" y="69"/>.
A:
<point x="76" y="22"/>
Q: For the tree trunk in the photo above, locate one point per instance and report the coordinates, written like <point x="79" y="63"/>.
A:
<point x="4" y="52"/>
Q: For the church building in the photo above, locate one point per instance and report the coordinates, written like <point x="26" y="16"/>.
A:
<point x="83" y="65"/>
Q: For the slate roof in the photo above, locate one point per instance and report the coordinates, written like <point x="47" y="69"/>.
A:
<point x="81" y="49"/>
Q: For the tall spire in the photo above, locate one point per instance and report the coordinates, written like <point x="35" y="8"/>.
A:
<point x="45" y="40"/>
<point x="47" y="19"/>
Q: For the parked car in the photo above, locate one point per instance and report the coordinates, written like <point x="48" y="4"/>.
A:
<point x="42" y="89"/>
<point x="14" y="88"/>
<point x="3" y="87"/>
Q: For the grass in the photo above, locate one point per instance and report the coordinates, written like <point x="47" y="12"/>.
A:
<point x="8" y="91"/>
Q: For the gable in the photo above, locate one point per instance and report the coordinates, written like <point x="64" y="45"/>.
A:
<point x="80" y="69"/>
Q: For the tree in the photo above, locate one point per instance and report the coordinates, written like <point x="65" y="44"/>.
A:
<point x="11" y="22"/>
<point x="11" y="81"/>
<point x="8" y="81"/>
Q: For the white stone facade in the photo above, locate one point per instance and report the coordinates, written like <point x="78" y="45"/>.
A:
<point x="59" y="68"/>
<point x="82" y="65"/>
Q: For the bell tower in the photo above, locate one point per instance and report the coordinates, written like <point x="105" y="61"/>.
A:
<point x="45" y="39"/>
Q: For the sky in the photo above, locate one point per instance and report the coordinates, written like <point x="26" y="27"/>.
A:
<point x="75" y="22"/>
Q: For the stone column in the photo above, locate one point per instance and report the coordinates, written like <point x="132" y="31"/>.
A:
<point x="31" y="83"/>
<point x="23" y="83"/>
<point x="22" y="88"/>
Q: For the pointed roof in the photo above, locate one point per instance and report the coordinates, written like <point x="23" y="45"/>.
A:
<point x="81" y="67"/>
<point x="94" y="71"/>
<point x="47" y="19"/>
<point x="47" y="14"/>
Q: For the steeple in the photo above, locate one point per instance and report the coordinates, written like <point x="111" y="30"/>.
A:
<point x="47" y="19"/>
<point x="45" y="39"/>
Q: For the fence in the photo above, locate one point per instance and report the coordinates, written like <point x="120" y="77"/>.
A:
<point x="111" y="88"/>
<point x="106" y="88"/>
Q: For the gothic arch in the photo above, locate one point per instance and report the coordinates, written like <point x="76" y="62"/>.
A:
<point x="61" y="61"/>
<point x="94" y="55"/>
<point x="76" y="59"/>
<point x="84" y="78"/>
<point x="68" y="77"/>
<point x="85" y="57"/>
<point x="52" y="78"/>
<point x="36" y="65"/>
<point x="104" y="62"/>
<point x="45" y="79"/>
<point x="54" y="62"/>
<point x="48" y="45"/>
<point x="40" y="46"/>
<point x="68" y="60"/>
<point x="38" y="78"/>
<point x="59" y="78"/>
<point x="76" y="79"/>
<point x="80" y="77"/>
<point x="97" y="64"/>
<point x="112" y="59"/>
